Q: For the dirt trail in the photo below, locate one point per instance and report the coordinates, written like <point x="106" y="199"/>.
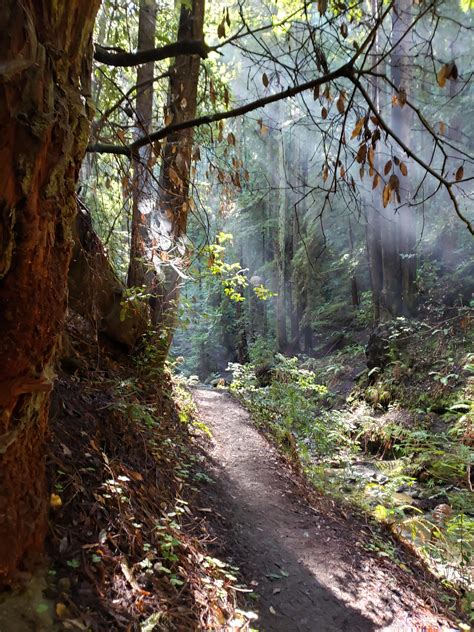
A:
<point x="312" y="574"/>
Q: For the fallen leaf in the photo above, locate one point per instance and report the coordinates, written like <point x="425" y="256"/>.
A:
<point x="61" y="611"/>
<point x="55" y="501"/>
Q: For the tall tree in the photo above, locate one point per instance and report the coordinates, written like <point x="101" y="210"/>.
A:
<point x="143" y="192"/>
<point x="173" y="200"/>
<point x="391" y="228"/>
<point x="45" y="66"/>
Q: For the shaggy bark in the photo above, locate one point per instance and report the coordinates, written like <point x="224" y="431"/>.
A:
<point x="44" y="125"/>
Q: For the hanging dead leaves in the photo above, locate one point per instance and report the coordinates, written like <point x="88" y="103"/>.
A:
<point x="366" y="154"/>
<point x="341" y="103"/>
<point x="447" y="71"/>
<point x="263" y="129"/>
<point x="459" y="174"/>
<point x="225" y="21"/>
<point x="392" y="187"/>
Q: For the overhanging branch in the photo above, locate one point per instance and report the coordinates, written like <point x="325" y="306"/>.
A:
<point x="448" y="184"/>
<point x="132" y="149"/>
<point x="186" y="47"/>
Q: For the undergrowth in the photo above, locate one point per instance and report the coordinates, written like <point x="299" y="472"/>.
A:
<point x="399" y="448"/>
<point x="127" y="548"/>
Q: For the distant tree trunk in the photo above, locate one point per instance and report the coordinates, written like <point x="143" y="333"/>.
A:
<point x="391" y="236"/>
<point x="280" y="249"/>
<point x="293" y="163"/>
<point x="402" y="124"/>
<point x="143" y="192"/>
<point x="173" y="204"/>
<point x="374" y="252"/>
<point x="45" y="69"/>
<point x="354" y="284"/>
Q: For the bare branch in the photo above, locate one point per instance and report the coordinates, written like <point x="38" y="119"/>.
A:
<point x="186" y="47"/>
<point x="130" y="150"/>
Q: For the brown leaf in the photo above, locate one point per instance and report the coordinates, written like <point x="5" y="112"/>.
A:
<point x="459" y="174"/>
<point x="403" y="169"/>
<point x="340" y="105"/>
<point x="394" y="185"/>
<point x="386" y="195"/>
<point x="447" y="71"/>
<point x="388" y="166"/>
<point x="442" y="128"/>
<point x="221" y="30"/>
<point x="344" y="30"/>
<point x="231" y="138"/>
<point x="371" y="156"/>
<point x="362" y="153"/>
<point x="402" y="97"/>
<point x="442" y="75"/>
<point x="226" y="97"/>
<point x="265" y="80"/>
<point x="376" y="181"/>
<point x="358" y="127"/>
<point x="263" y="128"/>
<point x="316" y="93"/>
<point x="322" y="6"/>
<point x="324" y="114"/>
<point x="325" y="173"/>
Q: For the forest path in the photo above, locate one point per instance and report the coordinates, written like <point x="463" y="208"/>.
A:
<point x="309" y="571"/>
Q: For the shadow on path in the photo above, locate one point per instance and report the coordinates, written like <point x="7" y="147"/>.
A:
<point x="305" y="582"/>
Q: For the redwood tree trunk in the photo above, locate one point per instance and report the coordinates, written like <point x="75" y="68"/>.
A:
<point x="45" y="64"/>
<point x="143" y="191"/>
<point x="173" y="205"/>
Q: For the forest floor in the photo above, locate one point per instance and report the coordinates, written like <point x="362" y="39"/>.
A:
<point x="305" y="557"/>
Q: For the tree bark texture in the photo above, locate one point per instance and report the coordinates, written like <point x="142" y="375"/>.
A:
<point x="174" y="184"/>
<point x="95" y="291"/>
<point x="45" y="67"/>
<point x="140" y="268"/>
<point x="404" y="219"/>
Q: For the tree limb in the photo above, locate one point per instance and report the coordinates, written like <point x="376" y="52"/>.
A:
<point x="409" y="152"/>
<point x="132" y="149"/>
<point x="185" y="47"/>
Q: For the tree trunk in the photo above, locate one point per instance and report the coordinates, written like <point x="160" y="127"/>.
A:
<point x="95" y="291"/>
<point x="143" y="194"/>
<point x="44" y="127"/>
<point x="402" y="124"/>
<point x="173" y="204"/>
<point x="280" y="250"/>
